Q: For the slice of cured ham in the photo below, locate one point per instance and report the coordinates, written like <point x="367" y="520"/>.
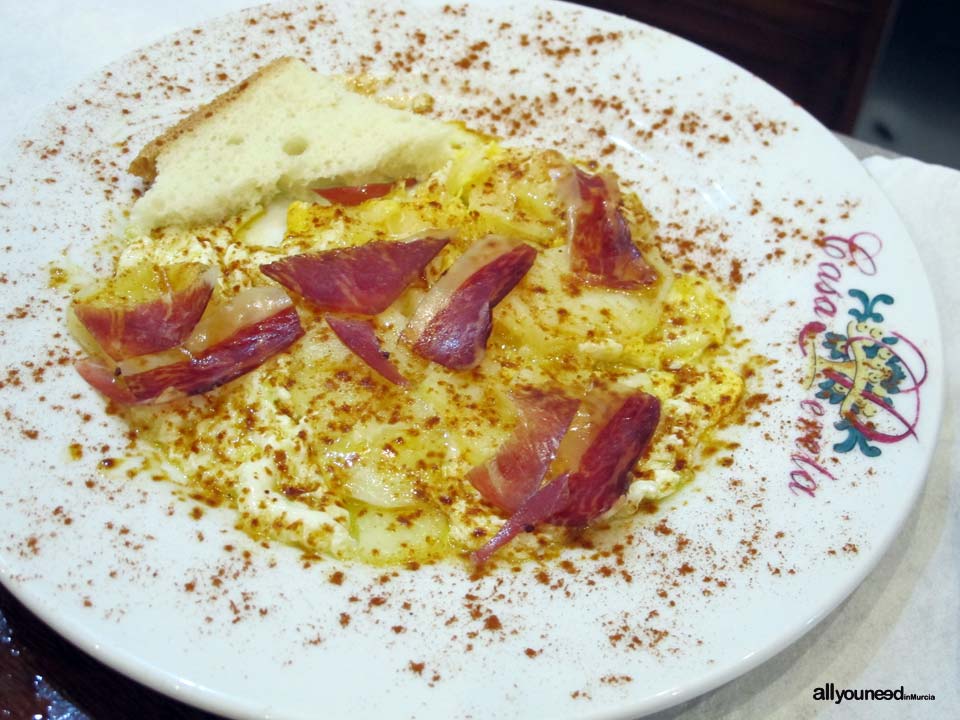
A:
<point x="541" y="505"/>
<point x="106" y="381"/>
<point x="147" y="308"/>
<point x="605" y="441"/>
<point x="515" y="473"/>
<point x="592" y="467"/>
<point x="362" y="280"/>
<point x="349" y="195"/>
<point x="361" y="338"/>
<point x="602" y="251"/>
<point x="233" y="339"/>
<point x="454" y="320"/>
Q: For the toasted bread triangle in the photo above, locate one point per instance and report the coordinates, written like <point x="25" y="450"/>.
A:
<point x="284" y="129"/>
<point x="145" y="164"/>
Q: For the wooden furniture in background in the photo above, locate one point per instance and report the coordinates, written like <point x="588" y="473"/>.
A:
<point x="817" y="52"/>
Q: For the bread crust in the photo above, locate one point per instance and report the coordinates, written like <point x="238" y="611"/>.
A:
<point x="145" y="164"/>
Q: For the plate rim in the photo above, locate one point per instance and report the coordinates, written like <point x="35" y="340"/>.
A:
<point x="214" y="701"/>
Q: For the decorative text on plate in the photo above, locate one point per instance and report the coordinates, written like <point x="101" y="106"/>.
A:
<point x="867" y="376"/>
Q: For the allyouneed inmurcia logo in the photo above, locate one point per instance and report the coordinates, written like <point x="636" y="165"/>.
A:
<point x="836" y="695"/>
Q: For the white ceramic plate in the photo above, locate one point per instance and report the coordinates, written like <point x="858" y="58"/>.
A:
<point x="743" y="562"/>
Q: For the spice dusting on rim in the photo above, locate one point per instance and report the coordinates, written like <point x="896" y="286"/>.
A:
<point x="666" y="569"/>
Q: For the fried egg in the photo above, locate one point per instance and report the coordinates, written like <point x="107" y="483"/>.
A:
<point x="315" y="449"/>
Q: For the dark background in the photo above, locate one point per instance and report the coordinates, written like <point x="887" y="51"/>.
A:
<point x="886" y="72"/>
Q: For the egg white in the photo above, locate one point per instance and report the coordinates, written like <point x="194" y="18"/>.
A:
<point x="315" y="449"/>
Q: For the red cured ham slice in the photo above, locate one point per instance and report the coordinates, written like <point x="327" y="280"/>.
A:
<point x="604" y="442"/>
<point x="146" y="309"/>
<point x="360" y="337"/>
<point x="517" y="470"/>
<point x="356" y="194"/>
<point x="106" y="381"/>
<point x="454" y="320"/>
<point x="362" y="280"/>
<point x="592" y="467"/>
<point x="544" y="503"/>
<point x="227" y="343"/>
<point x="602" y="251"/>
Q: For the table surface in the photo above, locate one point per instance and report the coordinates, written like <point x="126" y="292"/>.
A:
<point x="859" y="645"/>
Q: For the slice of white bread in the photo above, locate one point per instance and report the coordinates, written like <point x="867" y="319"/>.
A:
<point x="283" y="130"/>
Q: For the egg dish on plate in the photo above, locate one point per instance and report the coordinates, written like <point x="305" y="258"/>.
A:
<point x="441" y="347"/>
